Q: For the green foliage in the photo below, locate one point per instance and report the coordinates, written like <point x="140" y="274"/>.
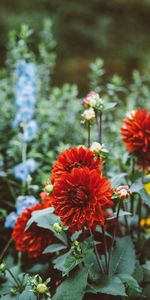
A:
<point x="109" y="285"/>
<point x="123" y="257"/>
<point x="138" y="187"/>
<point x="73" y="287"/>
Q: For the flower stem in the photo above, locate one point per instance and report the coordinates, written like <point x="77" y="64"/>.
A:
<point x="100" y="127"/>
<point x="125" y="217"/>
<point x="15" y="279"/>
<point x="113" y="237"/>
<point x="89" y="134"/>
<point x="97" y="255"/>
<point x="106" y="249"/>
<point x="140" y="204"/>
<point x="5" y="249"/>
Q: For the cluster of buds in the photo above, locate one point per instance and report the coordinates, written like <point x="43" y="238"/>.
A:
<point x="93" y="100"/>
<point x="59" y="227"/>
<point x="122" y="192"/>
<point x="99" y="150"/>
<point x="39" y="287"/>
<point x="92" y="104"/>
<point x="77" y="250"/>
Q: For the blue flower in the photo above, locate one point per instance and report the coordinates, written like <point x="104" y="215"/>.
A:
<point x="31" y="165"/>
<point x="11" y="220"/>
<point x="24" y="115"/>
<point x="24" y="202"/>
<point x="30" y="131"/>
<point x="21" y="171"/>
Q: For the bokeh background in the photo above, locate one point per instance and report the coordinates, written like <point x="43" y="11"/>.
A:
<point x="117" y="31"/>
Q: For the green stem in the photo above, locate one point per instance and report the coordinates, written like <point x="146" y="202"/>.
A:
<point x="100" y="127"/>
<point x="14" y="278"/>
<point x="97" y="255"/>
<point x="140" y="204"/>
<point x="106" y="249"/>
<point x="125" y="218"/>
<point x="89" y="135"/>
<point x="113" y="237"/>
<point x="5" y="249"/>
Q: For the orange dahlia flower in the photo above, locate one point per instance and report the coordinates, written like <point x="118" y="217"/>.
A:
<point x="76" y="157"/>
<point x="79" y="198"/>
<point x="34" y="240"/>
<point x="136" y="134"/>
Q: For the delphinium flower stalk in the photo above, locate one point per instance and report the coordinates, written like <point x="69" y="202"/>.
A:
<point x="24" y="122"/>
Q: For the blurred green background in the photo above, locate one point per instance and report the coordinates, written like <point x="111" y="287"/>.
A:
<point x="116" y="30"/>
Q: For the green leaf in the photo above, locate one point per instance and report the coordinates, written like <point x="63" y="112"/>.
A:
<point x="145" y="197"/>
<point x="132" y="287"/>
<point x="118" y="179"/>
<point x="138" y="272"/>
<point x="54" y="248"/>
<point x="108" y="106"/>
<point x="138" y="187"/>
<point x="73" y="288"/>
<point x="43" y="218"/>
<point x="123" y="257"/>
<point x="111" y="285"/>
<point x="122" y="213"/>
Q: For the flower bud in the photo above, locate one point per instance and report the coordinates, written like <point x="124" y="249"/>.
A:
<point x="90" y="100"/>
<point x="76" y="244"/>
<point x="95" y="148"/>
<point x="42" y="288"/>
<point x="99" y="150"/>
<point x="48" y="188"/>
<point x="57" y="227"/>
<point x="89" y="114"/>
<point x="123" y="192"/>
<point x="2" y="268"/>
<point x="130" y="114"/>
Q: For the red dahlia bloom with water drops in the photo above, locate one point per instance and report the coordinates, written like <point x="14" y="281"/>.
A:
<point x="34" y="240"/>
<point x="75" y="157"/>
<point x="136" y="134"/>
<point x="80" y="197"/>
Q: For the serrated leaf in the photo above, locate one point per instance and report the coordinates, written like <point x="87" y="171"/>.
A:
<point x="122" y="213"/>
<point x="54" y="248"/>
<point x="132" y="287"/>
<point x="110" y="285"/>
<point x="74" y="287"/>
<point x="123" y="257"/>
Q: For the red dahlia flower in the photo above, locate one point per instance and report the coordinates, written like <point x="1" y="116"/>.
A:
<point x="136" y="134"/>
<point x="80" y="197"/>
<point x="76" y="157"/>
<point x="34" y="240"/>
